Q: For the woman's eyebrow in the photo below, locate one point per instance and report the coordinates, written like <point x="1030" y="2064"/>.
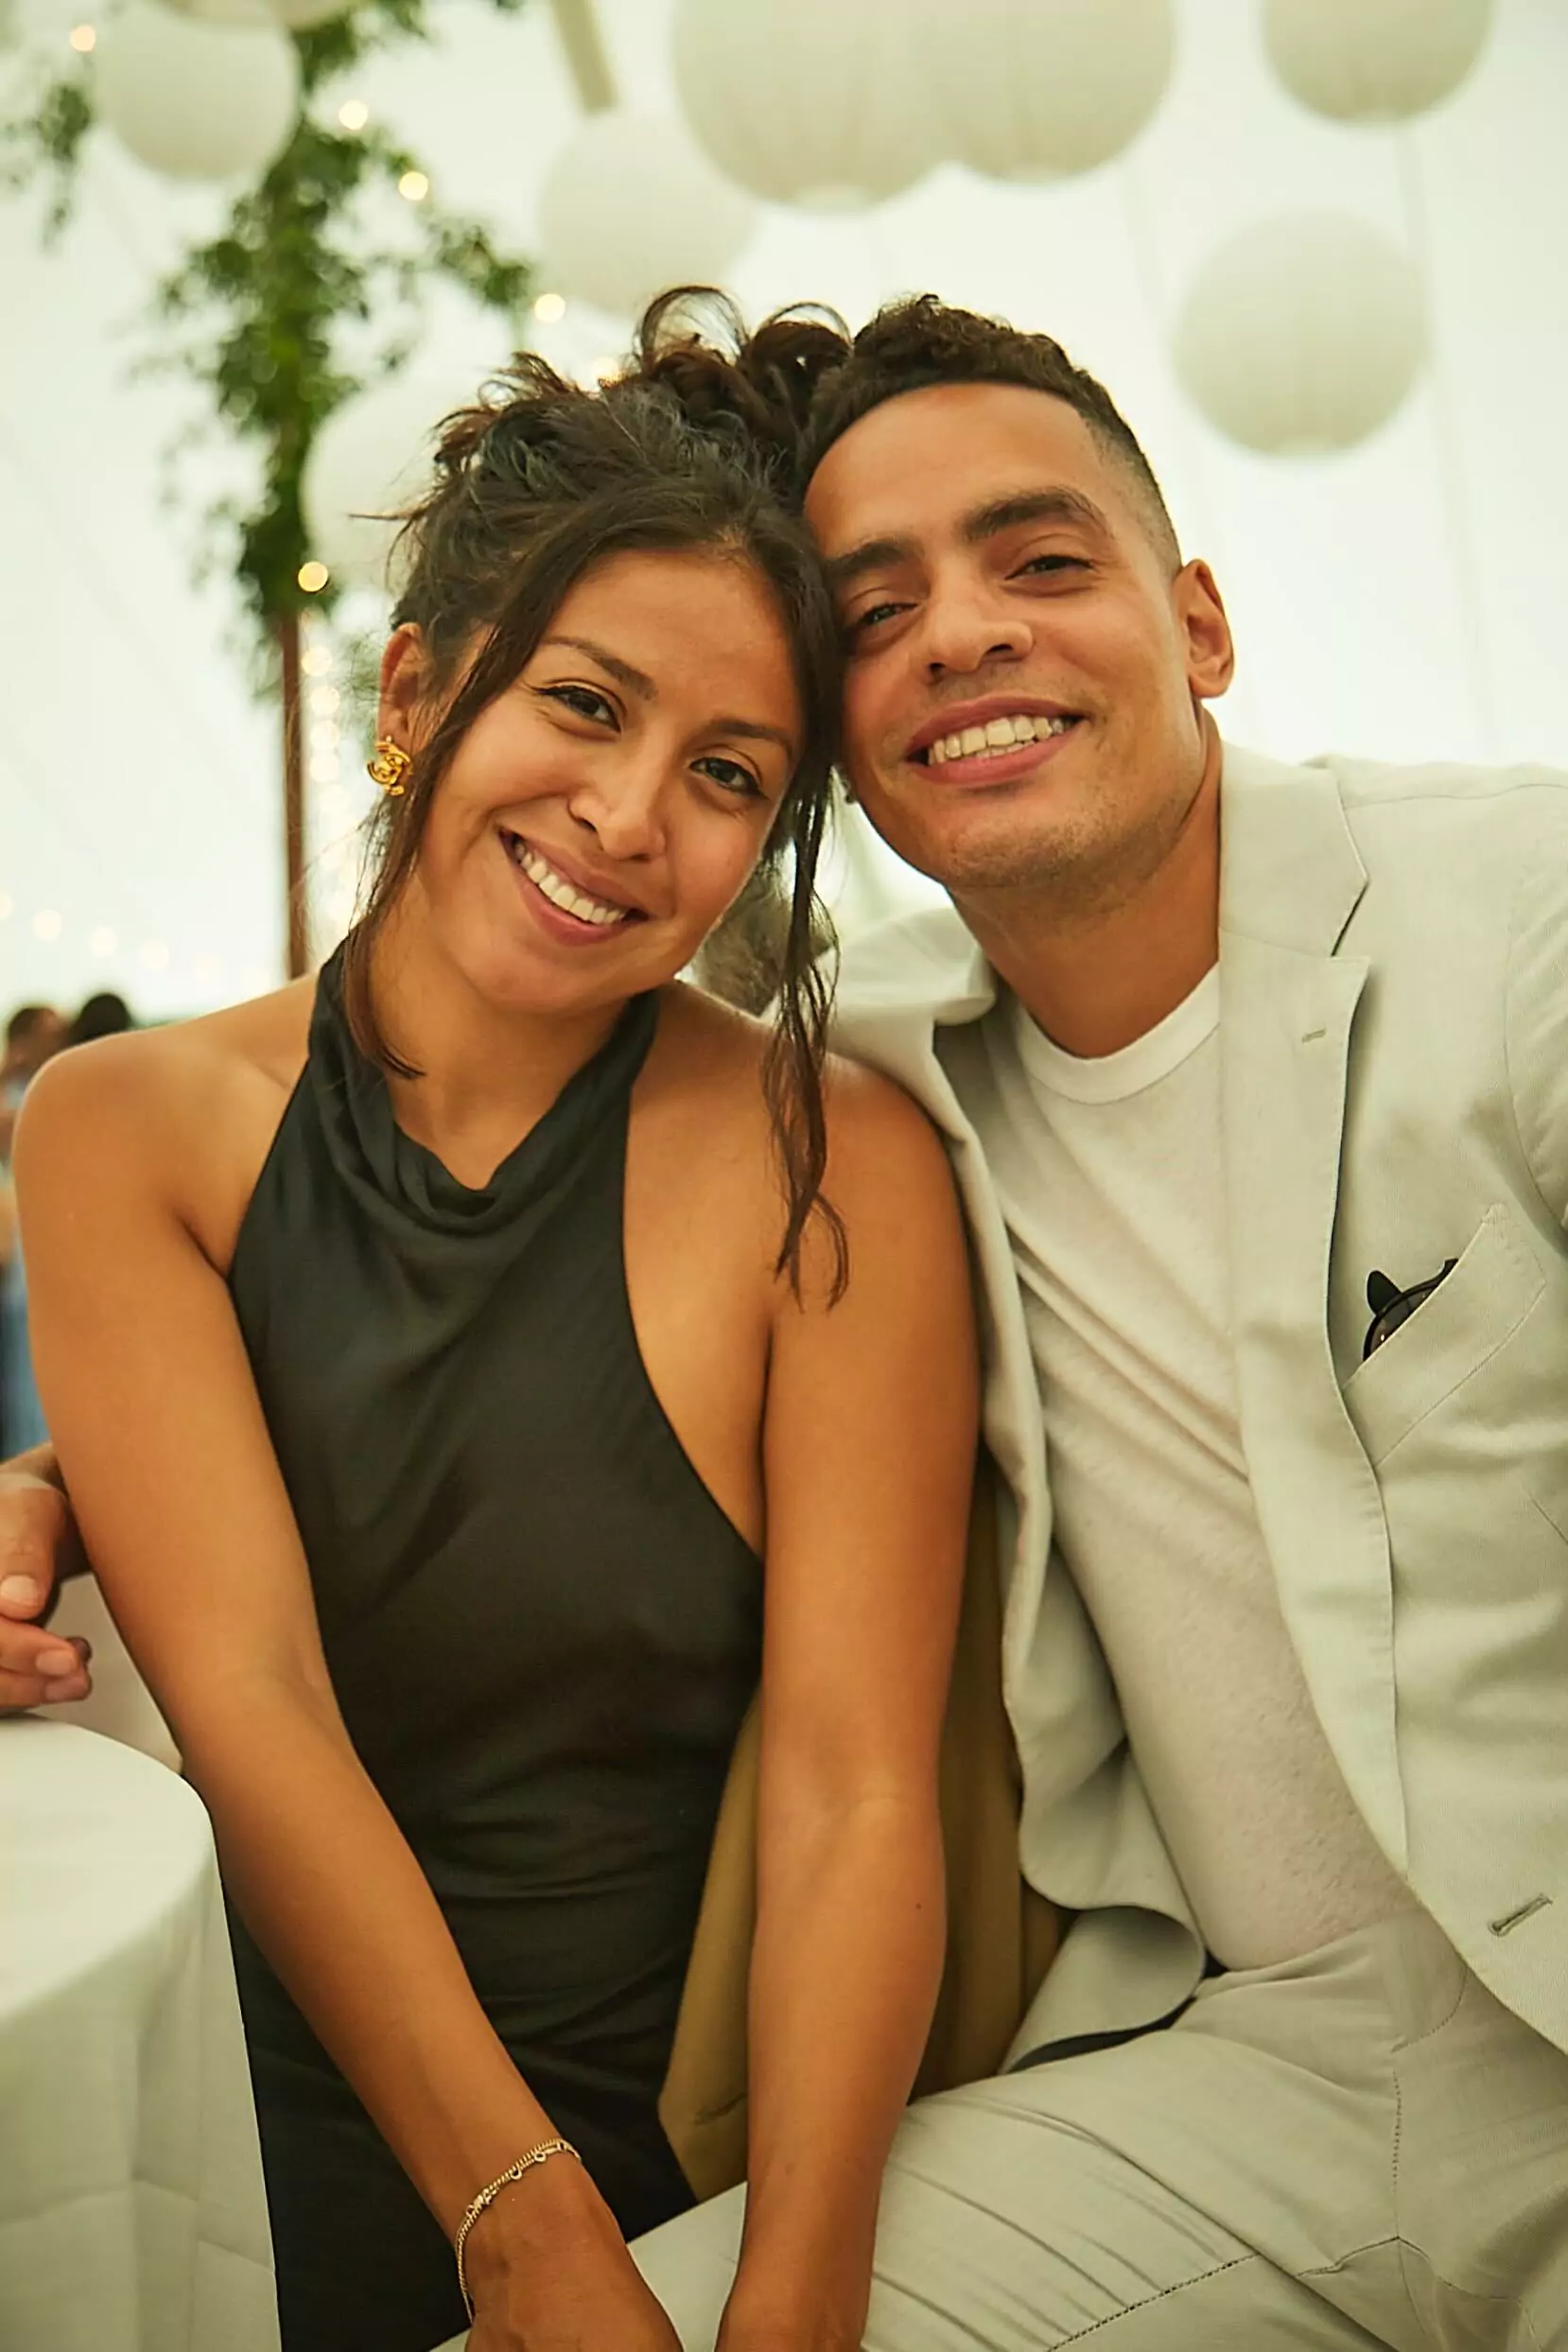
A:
<point x="637" y="681"/>
<point x="634" y="681"/>
<point x="754" y="731"/>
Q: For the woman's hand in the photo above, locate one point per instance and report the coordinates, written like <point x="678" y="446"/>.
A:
<point x="548" y="2272"/>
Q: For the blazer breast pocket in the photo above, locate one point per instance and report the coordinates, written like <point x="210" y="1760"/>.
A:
<point x="1453" y="1335"/>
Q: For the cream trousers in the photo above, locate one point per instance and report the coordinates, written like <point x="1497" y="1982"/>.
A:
<point x="1358" y="2148"/>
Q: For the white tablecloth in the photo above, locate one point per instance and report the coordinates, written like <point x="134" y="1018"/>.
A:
<point x="132" y="2213"/>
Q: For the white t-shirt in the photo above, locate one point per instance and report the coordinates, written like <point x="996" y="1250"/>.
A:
<point x="1111" y="1180"/>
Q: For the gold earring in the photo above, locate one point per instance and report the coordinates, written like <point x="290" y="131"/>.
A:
<point x="388" y="765"/>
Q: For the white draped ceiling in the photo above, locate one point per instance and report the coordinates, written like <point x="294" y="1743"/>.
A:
<point x="1406" y="600"/>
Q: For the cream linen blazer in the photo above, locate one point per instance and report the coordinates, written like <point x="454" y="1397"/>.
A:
<point x="1394" y="1044"/>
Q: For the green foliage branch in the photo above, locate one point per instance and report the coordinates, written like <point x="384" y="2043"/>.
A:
<point x="262" y="316"/>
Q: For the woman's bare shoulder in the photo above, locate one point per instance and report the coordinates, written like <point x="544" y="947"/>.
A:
<point x="718" y="1041"/>
<point x="184" y="1102"/>
<point x="883" y="1150"/>
<point x="708" y="1060"/>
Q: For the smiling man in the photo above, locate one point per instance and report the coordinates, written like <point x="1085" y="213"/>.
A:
<point x="1245" y="1070"/>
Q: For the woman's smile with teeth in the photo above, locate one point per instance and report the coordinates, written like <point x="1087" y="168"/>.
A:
<point x="996" y="736"/>
<point x="561" y="893"/>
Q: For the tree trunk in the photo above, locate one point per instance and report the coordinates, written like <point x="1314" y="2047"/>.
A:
<point x="293" y="796"/>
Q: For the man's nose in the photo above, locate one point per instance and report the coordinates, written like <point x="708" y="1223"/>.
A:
<point x="965" y="628"/>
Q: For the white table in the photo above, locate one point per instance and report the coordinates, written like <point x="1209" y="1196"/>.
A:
<point x="132" y="2213"/>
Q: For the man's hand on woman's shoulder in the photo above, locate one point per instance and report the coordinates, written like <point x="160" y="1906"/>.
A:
<point x="38" y="1546"/>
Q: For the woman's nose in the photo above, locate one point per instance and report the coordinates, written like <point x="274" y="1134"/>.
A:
<point x="626" y="813"/>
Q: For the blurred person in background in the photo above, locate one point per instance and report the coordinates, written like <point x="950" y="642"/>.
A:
<point x="33" y="1033"/>
<point x="33" y="1036"/>
<point x="102" y="1015"/>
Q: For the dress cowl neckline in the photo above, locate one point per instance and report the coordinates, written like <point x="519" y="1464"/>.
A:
<point x="402" y="1184"/>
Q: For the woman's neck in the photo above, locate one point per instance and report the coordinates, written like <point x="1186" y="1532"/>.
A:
<point x="489" y="1073"/>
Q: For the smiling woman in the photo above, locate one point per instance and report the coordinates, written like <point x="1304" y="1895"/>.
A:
<point x="606" y="517"/>
<point x="467" y="1391"/>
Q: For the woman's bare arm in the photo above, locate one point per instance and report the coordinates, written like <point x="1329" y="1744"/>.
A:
<point x="870" y="1449"/>
<point x="157" y="1423"/>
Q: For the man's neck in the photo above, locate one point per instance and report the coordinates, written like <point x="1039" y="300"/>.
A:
<point x="1096" y="979"/>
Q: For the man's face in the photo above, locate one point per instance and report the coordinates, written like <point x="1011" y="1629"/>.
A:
<point x="1022" y="705"/>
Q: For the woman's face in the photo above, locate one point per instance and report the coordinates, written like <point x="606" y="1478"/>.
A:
<point x="600" y="815"/>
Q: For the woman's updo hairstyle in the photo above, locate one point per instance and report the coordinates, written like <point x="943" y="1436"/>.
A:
<point x="691" y="448"/>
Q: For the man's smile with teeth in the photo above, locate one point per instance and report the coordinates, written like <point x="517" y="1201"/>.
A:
<point x="561" y="893"/>
<point x="994" y="736"/>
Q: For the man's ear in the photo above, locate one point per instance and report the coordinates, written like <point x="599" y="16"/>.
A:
<point x="405" y="684"/>
<point x="1200" y="614"/>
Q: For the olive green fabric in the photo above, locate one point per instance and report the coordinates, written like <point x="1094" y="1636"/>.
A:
<point x="1000" y="1934"/>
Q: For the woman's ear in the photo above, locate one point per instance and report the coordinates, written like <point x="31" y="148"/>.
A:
<point x="405" y="681"/>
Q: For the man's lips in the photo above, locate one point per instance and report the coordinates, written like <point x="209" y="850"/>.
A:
<point x="993" y="770"/>
<point x="957" y="715"/>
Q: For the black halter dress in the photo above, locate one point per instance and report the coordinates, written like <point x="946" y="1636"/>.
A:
<point x="541" y="1628"/>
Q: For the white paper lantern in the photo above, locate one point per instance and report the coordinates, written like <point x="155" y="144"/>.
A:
<point x="197" y="98"/>
<point x="373" y="455"/>
<point x="1374" y="60"/>
<point x="631" y="205"/>
<point x="1036" y="89"/>
<point x="823" y="103"/>
<point x="1301" y="335"/>
<point x="300" y="15"/>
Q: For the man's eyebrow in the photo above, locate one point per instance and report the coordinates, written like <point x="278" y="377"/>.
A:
<point x="1031" y="506"/>
<point x="871" y="555"/>
<point x="998" y="514"/>
<point x="634" y="681"/>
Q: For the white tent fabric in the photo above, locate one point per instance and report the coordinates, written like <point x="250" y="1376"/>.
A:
<point x="1405" y="599"/>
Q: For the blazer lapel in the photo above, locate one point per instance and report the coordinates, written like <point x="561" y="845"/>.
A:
<point x="1291" y="879"/>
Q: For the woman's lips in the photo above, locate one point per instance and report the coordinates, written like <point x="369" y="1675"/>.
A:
<point x="557" y="923"/>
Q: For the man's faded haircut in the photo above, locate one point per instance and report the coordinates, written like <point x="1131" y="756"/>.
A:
<point x="834" y="379"/>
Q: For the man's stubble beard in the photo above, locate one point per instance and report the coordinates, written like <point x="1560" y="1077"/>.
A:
<point x="1078" y="871"/>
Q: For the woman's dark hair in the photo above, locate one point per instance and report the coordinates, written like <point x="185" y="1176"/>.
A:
<point x="688" y="449"/>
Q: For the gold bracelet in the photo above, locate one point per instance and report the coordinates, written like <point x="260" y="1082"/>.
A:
<point x="488" y="2196"/>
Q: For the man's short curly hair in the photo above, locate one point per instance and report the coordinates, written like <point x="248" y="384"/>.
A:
<point x="831" y="379"/>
